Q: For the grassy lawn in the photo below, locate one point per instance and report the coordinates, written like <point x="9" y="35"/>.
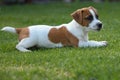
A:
<point x="66" y="63"/>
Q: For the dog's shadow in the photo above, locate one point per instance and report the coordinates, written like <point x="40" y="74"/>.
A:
<point x="35" y="48"/>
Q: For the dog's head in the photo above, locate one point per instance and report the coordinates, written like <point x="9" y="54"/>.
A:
<point x="87" y="17"/>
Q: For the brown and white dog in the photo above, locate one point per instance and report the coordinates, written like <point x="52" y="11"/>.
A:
<point x="75" y="33"/>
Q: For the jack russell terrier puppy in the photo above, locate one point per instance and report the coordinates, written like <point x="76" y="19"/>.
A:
<point x="75" y="33"/>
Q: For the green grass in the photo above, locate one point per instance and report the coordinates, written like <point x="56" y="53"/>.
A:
<point x="66" y="63"/>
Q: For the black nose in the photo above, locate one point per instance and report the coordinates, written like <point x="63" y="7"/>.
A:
<point x="99" y="25"/>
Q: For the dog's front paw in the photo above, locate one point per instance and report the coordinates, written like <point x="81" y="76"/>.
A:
<point x="103" y="43"/>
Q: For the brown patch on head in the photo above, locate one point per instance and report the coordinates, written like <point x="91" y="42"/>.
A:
<point x="62" y="35"/>
<point x="82" y="16"/>
<point x="22" y="32"/>
<point x="93" y="10"/>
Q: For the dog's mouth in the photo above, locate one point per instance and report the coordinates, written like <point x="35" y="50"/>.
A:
<point x="98" y="27"/>
<point x="95" y="27"/>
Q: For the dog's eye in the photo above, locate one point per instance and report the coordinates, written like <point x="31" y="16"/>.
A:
<point x="97" y="16"/>
<point x="90" y="17"/>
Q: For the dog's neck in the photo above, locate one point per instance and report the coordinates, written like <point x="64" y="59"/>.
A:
<point x="73" y="23"/>
<point x="78" y="30"/>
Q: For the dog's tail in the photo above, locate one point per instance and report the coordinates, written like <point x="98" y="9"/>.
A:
<point x="9" y="29"/>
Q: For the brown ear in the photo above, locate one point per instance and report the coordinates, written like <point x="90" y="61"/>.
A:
<point x="77" y="16"/>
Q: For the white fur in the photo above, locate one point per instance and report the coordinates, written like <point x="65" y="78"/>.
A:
<point x="9" y="29"/>
<point x="39" y="35"/>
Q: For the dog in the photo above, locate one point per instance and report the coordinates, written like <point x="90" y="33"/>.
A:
<point x="75" y="33"/>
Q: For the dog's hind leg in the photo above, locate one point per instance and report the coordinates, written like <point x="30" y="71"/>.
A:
<point x="24" y="44"/>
